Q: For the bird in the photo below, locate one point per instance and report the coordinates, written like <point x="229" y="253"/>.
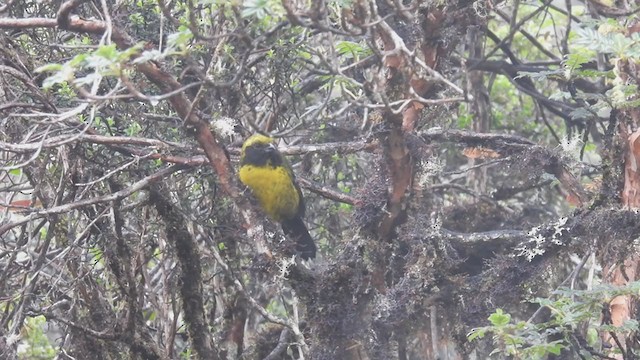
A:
<point x="272" y="181"/>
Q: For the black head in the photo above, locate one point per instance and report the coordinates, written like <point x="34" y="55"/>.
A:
<point x="260" y="150"/>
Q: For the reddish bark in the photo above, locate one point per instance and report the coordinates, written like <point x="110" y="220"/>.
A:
<point x="623" y="308"/>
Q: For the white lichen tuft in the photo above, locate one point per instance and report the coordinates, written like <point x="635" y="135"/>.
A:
<point x="12" y="339"/>
<point x="558" y="228"/>
<point x="534" y="246"/>
<point x="430" y="167"/>
<point x="224" y="126"/>
<point x="383" y="306"/>
<point x="284" y="265"/>
<point x="437" y="224"/>
<point x="571" y="146"/>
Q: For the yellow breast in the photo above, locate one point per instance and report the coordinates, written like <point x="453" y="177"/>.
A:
<point x="274" y="189"/>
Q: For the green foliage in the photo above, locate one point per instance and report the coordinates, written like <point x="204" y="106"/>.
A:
<point x="609" y="40"/>
<point x="133" y="129"/>
<point x="509" y="110"/>
<point x="268" y="11"/>
<point x="539" y="75"/>
<point x="520" y="340"/>
<point x="136" y="19"/>
<point x="571" y="310"/>
<point x="464" y="118"/>
<point x="303" y="79"/>
<point x="37" y="345"/>
<point x="621" y="95"/>
<point x="106" y="60"/>
<point x="575" y="60"/>
<point x="277" y="307"/>
<point x="65" y="91"/>
<point x="97" y="256"/>
<point x="352" y="50"/>
<point x="606" y="37"/>
<point x="43" y="232"/>
<point x="178" y="42"/>
<point x="187" y="354"/>
<point x="342" y="3"/>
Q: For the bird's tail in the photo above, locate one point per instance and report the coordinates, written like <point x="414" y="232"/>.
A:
<point x="295" y="228"/>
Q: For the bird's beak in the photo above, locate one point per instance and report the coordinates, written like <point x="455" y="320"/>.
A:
<point x="271" y="148"/>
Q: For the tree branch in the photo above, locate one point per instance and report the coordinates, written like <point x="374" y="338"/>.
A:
<point x="137" y="186"/>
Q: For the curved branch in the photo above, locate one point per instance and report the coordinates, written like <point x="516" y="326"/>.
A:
<point x="508" y="144"/>
<point x="191" y="275"/>
<point x="118" y="195"/>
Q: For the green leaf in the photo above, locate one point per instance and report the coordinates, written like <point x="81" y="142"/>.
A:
<point x="107" y="51"/>
<point x="351" y="50"/>
<point x="133" y="129"/>
<point x="539" y="75"/>
<point x="130" y="52"/>
<point x="136" y="19"/>
<point x="35" y="344"/>
<point x="592" y="73"/>
<point x="149" y="55"/>
<point x="255" y="8"/>
<point x="78" y="60"/>
<point x="575" y="60"/>
<point x="560" y="96"/>
<point x="65" y="74"/>
<point x="580" y="113"/>
<point x="499" y="318"/>
<point x="592" y="337"/>
<point x="49" y="67"/>
<point x="179" y="41"/>
<point x="555" y="348"/>
<point x="476" y="333"/>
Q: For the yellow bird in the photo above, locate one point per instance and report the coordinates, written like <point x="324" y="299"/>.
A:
<point x="271" y="179"/>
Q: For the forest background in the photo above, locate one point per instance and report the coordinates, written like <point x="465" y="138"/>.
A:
<point x="470" y="170"/>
